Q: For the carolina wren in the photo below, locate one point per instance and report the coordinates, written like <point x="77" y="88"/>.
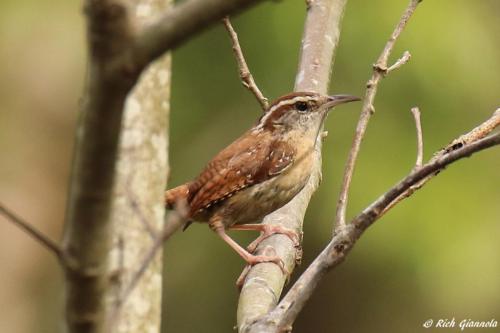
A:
<point x="259" y="172"/>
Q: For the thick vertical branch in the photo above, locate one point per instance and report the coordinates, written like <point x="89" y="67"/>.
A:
<point x="264" y="282"/>
<point x="87" y="237"/>
<point x="116" y="60"/>
<point x="141" y="176"/>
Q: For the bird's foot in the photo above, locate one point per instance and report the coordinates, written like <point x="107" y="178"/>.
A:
<point x="252" y="260"/>
<point x="272" y="229"/>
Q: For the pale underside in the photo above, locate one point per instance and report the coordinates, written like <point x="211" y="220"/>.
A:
<point x="262" y="176"/>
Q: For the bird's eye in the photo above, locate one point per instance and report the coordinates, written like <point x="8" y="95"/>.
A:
<point x="301" y="106"/>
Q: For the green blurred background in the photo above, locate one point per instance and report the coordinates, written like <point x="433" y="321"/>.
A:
<point x="433" y="256"/>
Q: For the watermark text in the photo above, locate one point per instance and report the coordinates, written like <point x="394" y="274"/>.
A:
<point x="462" y="324"/>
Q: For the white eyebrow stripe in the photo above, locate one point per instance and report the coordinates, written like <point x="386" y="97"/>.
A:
<point x="291" y="101"/>
<point x="286" y="102"/>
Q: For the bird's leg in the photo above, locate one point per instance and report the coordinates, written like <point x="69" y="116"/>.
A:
<point x="266" y="231"/>
<point x="217" y="226"/>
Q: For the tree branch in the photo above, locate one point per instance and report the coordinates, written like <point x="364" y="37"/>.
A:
<point x="173" y="223"/>
<point x="420" y="141"/>
<point x="33" y="232"/>
<point x="87" y="235"/>
<point x="379" y="71"/>
<point x="264" y="282"/>
<point x="117" y="57"/>
<point x="179" y="24"/>
<point x="245" y="75"/>
<point x="475" y="134"/>
<point x="138" y="213"/>
<point x="400" y="62"/>
<point x="283" y="315"/>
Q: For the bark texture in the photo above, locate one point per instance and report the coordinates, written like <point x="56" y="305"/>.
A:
<point x="264" y="282"/>
<point x="137" y="212"/>
<point x="119" y="51"/>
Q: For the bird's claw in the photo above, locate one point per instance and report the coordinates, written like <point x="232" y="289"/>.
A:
<point x="271" y="229"/>
<point x="257" y="259"/>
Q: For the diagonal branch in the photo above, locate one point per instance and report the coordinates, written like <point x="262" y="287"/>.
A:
<point x="475" y="134"/>
<point x="179" y="24"/>
<point x="245" y="75"/>
<point x="31" y="231"/>
<point x="173" y="223"/>
<point x="264" y="282"/>
<point x="379" y="71"/>
<point x="284" y="314"/>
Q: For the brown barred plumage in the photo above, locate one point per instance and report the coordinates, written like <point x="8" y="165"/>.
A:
<point x="260" y="171"/>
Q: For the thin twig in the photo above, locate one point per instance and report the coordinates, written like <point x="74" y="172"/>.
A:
<point x="379" y="71"/>
<point x="31" y="231"/>
<point x="415" y="111"/>
<point x="174" y="222"/>
<point x="475" y="134"/>
<point x="284" y="314"/>
<point x="245" y="75"/>
<point x="400" y="62"/>
<point x="137" y="210"/>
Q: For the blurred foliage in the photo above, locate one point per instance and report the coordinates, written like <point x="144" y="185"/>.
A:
<point x="433" y="256"/>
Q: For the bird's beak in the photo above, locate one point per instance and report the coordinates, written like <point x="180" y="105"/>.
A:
<point x="335" y="100"/>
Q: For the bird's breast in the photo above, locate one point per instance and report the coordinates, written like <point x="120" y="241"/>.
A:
<point x="254" y="203"/>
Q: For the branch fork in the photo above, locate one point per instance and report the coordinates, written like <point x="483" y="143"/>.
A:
<point x="380" y="70"/>
<point x="384" y="70"/>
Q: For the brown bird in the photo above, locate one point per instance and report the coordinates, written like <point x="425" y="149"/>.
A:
<point x="259" y="172"/>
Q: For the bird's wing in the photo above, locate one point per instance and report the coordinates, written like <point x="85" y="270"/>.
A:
<point x="245" y="162"/>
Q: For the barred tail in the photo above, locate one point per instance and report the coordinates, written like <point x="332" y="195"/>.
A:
<point x="176" y="194"/>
